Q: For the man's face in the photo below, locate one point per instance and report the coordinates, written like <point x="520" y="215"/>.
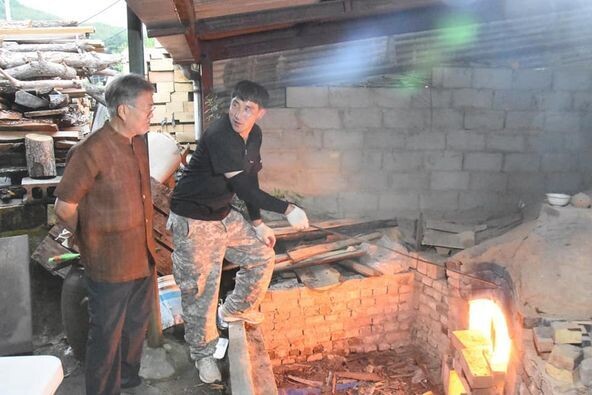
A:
<point x="140" y="113"/>
<point x="243" y="115"/>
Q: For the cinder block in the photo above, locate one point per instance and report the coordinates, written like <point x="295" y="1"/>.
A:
<point x="558" y="162"/>
<point x="402" y="161"/>
<point x="438" y="200"/>
<point x="392" y="97"/>
<point x="440" y="98"/>
<point x="321" y="118"/>
<point x="452" y="77"/>
<point x="179" y="76"/>
<point x="443" y="160"/>
<point x="575" y="80"/>
<point x="307" y="97"/>
<point x="359" y="200"/>
<point x="522" y="162"/>
<point x="409" y="181"/>
<point x="384" y="139"/>
<point x="545" y="142"/>
<point x="585" y="372"/>
<point x="562" y="122"/>
<point x="554" y="101"/>
<point x="492" y="78"/>
<point x="160" y="98"/>
<point x="526" y="182"/>
<point x="160" y="76"/>
<point x="279" y="118"/>
<point x="582" y="101"/>
<point x="484" y="120"/>
<point x="463" y="140"/>
<point x="532" y="79"/>
<point x="342" y="139"/>
<point x="355" y="118"/>
<point x="543" y="338"/>
<point x="505" y="143"/>
<point x="483" y="161"/>
<point x="530" y="120"/>
<point x="513" y="100"/>
<point x="398" y="201"/>
<point x="447" y="119"/>
<point x="568" y="182"/>
<point x="183" y="87"/>
<point x="481" y="181"/>
<point x="407" y="119"/>
<point x="375" y="181"/>
<point x="426" y="140"/>
<point x="474" y="98"/>
<point x="350" y="97"/>
<point x="565" y="356"/>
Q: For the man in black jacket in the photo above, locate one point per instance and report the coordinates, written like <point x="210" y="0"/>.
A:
<point x="206" y="229"/>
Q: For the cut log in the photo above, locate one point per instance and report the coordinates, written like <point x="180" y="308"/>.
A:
<point x="302" y="253"/>
<point x="28" y="100"/>
<point x="360" y="268"/>
<point x="75" y="47"/>
<point x="41" y="69"/>
<point x="13" y="85"/>
<point x="28" y="125"/>
<point x="7" y="115"/>
<point x="87" y="63"/>
<point x="46" y="113"/>
<point x="40" y="156"/>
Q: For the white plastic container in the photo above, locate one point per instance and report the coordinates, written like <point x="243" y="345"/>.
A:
<point x="558" y="199"/>
<point x="164" y="155"/>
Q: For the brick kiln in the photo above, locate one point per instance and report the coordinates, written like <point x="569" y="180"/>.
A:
<point x="508" y="316"/>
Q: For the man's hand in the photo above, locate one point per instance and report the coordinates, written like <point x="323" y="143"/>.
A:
<point x="296" y="217"/>
<point x="265" y="234"/>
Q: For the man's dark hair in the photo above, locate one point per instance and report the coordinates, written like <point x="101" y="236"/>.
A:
<point x="251" y="91"/>
<point x="125" y="89"/>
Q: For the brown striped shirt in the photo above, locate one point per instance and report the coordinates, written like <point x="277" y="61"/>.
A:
<point x="109" y="179"/>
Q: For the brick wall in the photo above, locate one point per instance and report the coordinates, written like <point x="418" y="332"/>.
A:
<point x="359" y="315"/>
<point x="476" y="139"/>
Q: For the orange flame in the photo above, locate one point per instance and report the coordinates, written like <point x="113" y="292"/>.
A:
<point x="487" y="317"/>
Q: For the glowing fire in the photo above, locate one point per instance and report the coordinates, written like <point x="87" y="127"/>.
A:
<point x="487" y="317"/>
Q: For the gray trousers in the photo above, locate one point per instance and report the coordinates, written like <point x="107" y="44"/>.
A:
<point x="199" y="248"/>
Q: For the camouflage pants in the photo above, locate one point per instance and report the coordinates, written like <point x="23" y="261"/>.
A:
<point x="199" y="248"/>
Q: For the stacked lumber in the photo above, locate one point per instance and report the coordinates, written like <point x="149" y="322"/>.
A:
<point x="448" y="236"/>
<point x="42" y="67"/>
<point x="173" y="97"/>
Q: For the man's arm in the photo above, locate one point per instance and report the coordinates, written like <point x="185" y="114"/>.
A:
<point x="67" y="213"/>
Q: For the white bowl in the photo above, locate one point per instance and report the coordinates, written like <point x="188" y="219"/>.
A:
<point x="558" y="199"/>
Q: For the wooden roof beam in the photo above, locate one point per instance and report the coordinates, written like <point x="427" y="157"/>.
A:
<point x="233" y="25"/>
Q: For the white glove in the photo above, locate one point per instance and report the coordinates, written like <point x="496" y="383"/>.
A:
<point x="265" y="234"/>
<point x="297" y="218"/>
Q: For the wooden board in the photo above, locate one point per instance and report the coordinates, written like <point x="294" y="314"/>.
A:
<point x="360" y="268"/>
<point x="450" y="240"/>
<point x="36" y="32"/>
<point x="302" y="253"/>
<point x="319" y="277"/>
<point x="261" y="369"/>
<point x="462" y="339"/>
<point x="20" y="135"/>
<point x="476" y="368"/>
<point x="317" y="228"/>
<point x="453" y="227"/>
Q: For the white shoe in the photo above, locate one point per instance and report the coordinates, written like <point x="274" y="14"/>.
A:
<point x="208" y="370"/>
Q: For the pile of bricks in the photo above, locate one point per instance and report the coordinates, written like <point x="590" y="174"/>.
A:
<point x="567" y="350"/>
<point x="359" y="315"/>
<point x="173" y="97"/>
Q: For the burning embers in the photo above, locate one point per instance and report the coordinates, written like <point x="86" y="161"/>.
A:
<point x="481" y="353"/>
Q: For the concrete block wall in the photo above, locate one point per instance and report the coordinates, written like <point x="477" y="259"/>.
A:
<point x="359" y="315"/>
<point x="477" y="138"/>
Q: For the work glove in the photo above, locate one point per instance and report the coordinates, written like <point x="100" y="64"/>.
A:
<point x="297" y="218"/>
<point x="265" y="234"/>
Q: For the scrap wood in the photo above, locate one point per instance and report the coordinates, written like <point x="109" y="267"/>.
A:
<point x="321" y="259"/>
<point x="10" y="115"/>
<point x="360" y="376"/>
<point x="312" y="383"/>
<point x="28" y="125"/>
<point x="13" y="84"/>
<point x="361" y="268"/>
<point x="318" y="228"/>
<point x="46" y="113"/>
<point x="16" y="136"/>
<point x="302" y="253"/>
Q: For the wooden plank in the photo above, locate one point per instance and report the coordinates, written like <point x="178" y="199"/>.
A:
<point x="161" y="196"/>
<point x="159" y="229"/>
<point x="16" y="33"/>
<point x="450" y="240"/>
<point x="476" y="368"/>
<point x="20" y="135"/>
<point x="241" y="380"/>
<point x="360" y="268"/>
<point x="302" y="253"/>
<point x="46" y="113"/>
<point x="462" y="339"/>
<point x="320" y="277"/>
<point x="287" y="232"/>
<point x="360" y="376"/>
<point x="452" y="227"/>
<point x="329" y="257"/>
<point x="262" y="371"/>
<point x="10" y="115"/>
<point x="28" y="125"/>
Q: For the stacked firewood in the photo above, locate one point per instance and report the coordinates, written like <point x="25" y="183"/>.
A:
<point x="43" y="67"/>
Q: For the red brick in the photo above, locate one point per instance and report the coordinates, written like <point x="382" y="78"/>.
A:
<point x="436" y="271"/>
<point x="405" y="289"/>
<point x="422" y="267"/>
<point x="338" y="335"/>
<point x="365" y="330"/>
<point x="367" y="302"/>
<point x="353" y="304"/>
<point x="331" y="318"/>
<point x="310" y="311"/>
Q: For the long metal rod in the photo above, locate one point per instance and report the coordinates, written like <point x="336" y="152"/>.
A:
<point x="417" y="258"/>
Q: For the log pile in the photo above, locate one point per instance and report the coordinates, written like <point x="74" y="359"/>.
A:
<point x="43" y="65"/>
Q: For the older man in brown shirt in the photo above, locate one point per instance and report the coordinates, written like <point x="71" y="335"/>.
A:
<point x="104" y="198"/>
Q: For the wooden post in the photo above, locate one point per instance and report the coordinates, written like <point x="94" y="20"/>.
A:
<point x="40" y="156"/>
